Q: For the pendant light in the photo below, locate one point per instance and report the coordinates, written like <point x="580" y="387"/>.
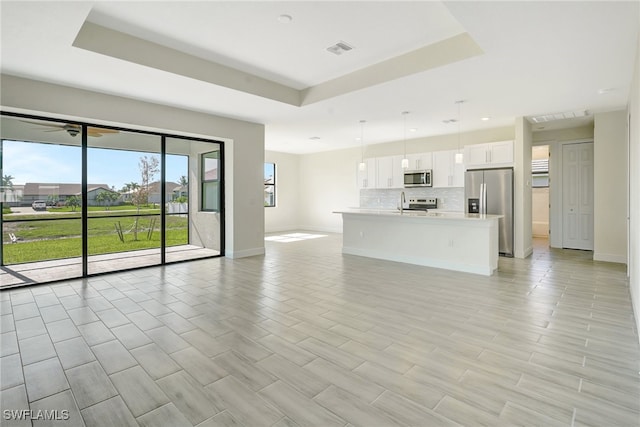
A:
<point x="459" y="156"/>
<point x="405" y="161"/>
<point x="362" y="166"/>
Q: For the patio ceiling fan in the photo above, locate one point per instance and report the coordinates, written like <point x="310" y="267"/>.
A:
<point x="72" y="130"/>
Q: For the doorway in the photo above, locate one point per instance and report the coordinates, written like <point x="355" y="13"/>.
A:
<point x="540" y="191"/>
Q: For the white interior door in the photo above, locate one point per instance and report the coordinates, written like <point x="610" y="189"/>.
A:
<point x="577" y="196"/>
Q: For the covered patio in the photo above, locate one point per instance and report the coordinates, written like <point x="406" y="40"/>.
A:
<point x="71" y="268"/>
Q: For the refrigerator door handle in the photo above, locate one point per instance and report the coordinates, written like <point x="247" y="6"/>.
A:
<point x="483" y="198"/>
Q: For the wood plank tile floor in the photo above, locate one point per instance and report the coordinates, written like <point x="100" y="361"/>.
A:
<point x="305" y="336"/>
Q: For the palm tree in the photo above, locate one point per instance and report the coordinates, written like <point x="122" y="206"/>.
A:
<point x="7" y="183"/>
<point x="184" y="181"/>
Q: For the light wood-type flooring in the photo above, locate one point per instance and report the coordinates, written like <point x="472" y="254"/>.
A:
<point x="305" y="336"/>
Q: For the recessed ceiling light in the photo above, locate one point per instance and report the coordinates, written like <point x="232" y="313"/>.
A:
<point x="485" y="119"/>
<point x="314" y="138"/>
<point x="449" y="121"/>
<point x="413" y="130"/>
<point x="284" y="19"/>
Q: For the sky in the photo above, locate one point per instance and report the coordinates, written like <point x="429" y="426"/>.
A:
<point x="36" y="162"/>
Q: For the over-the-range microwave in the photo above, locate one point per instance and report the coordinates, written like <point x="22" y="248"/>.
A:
<point x="418" y="178"/>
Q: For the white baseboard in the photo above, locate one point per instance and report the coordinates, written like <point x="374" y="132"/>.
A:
<point x="528" y="251"/>
<point x="620" y="259"/>
<point x="244" y="253"/>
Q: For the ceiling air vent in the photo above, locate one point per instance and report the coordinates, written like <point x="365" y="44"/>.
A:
<point x="339" y="48"/>
<point x="559" y="116"/>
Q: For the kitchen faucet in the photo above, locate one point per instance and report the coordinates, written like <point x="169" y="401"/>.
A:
<point x="402" y="200"/>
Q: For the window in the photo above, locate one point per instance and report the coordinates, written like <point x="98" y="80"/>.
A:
<point x="269" y="184"/>
<point x="540" y="173"/>
<point x="210" y="181"/>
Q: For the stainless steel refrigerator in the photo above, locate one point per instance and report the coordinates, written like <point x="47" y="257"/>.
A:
<point x="490" y="191"/>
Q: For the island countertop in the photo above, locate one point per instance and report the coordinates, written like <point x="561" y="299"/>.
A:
<point x="433" y="214"/>
<point x="449" y="240"/>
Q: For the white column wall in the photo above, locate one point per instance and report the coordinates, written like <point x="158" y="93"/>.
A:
<point x="523" y="241"/>
<point x="610" y="187"/>
<point x="244" y="143"/>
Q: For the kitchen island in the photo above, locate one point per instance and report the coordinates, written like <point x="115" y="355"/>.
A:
<point x="453" y="241"/>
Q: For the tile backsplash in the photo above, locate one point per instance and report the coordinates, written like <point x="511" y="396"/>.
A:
<point x="449" y="199"/>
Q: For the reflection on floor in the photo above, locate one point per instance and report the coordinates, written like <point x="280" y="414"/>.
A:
<point x="293" y="237"/>
<point x="61" y="269"/>
<point x="307" y="336"/>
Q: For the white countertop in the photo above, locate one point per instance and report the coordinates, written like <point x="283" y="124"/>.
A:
<point x="432" y="214"/>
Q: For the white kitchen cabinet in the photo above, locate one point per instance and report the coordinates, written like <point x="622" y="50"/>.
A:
<point x="366" y="177"/>
<point x="446" y="172"/>
<point x="389" y="172"/>
<point x="420" y="161"/>
<point x="489" y="155"/>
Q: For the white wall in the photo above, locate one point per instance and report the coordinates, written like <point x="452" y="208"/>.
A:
<point x="244" y="143"/>
<point x="610" y="189"/>
<point x="634" y="189"/>
<point x="286" y="213"/>
<point x="327" y="183"/>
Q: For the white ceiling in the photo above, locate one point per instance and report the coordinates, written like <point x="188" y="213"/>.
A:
<point x="537" y="58"/>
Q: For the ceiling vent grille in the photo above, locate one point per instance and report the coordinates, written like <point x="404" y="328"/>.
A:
<point x="339" y="48"/>
<point x="544" y="118"/>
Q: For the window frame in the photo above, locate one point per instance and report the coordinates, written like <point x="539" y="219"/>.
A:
<point x="539" y="169"/>
<point x="272" y="185"/>
<point x="204" y="182"/>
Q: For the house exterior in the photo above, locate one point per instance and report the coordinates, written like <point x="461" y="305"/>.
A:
<point x="49" y="191"/>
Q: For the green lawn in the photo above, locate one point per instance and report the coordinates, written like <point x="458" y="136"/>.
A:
<point x="45" y="240"/>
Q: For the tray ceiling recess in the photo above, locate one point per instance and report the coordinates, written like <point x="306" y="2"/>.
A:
<point x="117" y="44"/>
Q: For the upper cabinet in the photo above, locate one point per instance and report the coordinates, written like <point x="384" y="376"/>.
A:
<point x="366" y="177"/>
<point x="446" y="172"/>
<point x="420" y="161"/>
<point x="389" y="172"/>
<point x="489" y="155"/>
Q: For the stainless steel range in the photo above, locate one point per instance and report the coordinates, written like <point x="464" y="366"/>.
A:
<point x="421" y="204"/>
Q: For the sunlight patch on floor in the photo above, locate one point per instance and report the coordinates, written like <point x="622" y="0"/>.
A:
<point x="293" y="237"/>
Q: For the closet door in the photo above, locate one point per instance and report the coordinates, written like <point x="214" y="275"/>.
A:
<point x="577" y="204"/>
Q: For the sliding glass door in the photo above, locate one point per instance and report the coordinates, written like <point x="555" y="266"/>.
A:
<point x="80" y="200"/>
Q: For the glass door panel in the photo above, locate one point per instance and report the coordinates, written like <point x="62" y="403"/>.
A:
<point x="41" y="184"/>
<point x="192" y="232"/>
<point x="123" y="200"/>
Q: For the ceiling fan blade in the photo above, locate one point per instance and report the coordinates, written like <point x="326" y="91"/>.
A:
<point x="53" y="130"/>
<point x="94" y="134"/>
<point x="44" y="124"/>
<point x="101" y="130"/>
